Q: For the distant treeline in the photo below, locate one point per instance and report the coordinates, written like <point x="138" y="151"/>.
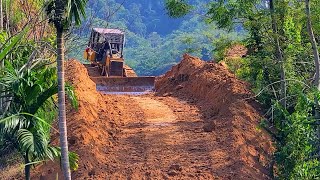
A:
<point x="154" y="41"/>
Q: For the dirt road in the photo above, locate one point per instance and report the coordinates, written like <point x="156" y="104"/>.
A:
<point x="199" y="125"/>
<point x="168" y="143"/>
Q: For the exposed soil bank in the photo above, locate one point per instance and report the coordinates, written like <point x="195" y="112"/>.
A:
<point x="221" y="99"/>
<point x="197" y="127"/>
<point x="91" y="128"/>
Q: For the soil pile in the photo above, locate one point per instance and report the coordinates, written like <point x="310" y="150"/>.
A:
<point x="91" y="128"/>
<point x="206" y="131"/>
<point x="221" y="98"/>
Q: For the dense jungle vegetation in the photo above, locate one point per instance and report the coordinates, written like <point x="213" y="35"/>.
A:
<point x="31" y="77"/>
<point x="282" y="64"/>
<point x="154" y="41"/>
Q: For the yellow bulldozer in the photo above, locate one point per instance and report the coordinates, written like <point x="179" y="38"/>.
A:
<point x="105" y="53"/>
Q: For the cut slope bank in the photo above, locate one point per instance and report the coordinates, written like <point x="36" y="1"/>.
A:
<point x="221" y="98"/>
<point x="207" y="131"/>
<point x="91" y="128"/>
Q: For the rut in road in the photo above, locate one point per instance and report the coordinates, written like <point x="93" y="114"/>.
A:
<point x="168" y="143"/>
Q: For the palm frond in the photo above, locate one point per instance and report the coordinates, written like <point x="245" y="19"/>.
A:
<point x="72" y="96"/>
<point x="6" y="48"/>
<point x="13" y="123"/>
<point x="26" y="141"/>
<point x="42" y="97"/>
<point x="77" y="10"/>
<point x="73" y="160"/>
<point x="53" y="152"/>
<point x="39" y="120"/>
<point x="32" y="142"/>
<point x="10" y="77"/>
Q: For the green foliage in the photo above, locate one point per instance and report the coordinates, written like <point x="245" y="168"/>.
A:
<point x="7" y="47"/>
<point x="221" y="45"/>
<point x="33" y="111"/>
<point x="177" y="8"/>
<point x="296" y="125"/>
<point x="72" y="96"/>
<point x="76" y="10"/>
<point x="27" y="90"/>
<point x="297" y="146"/>
<point x="3" y="38"/>
<point x="63" y="13"/>
<point x="73" y="160"/>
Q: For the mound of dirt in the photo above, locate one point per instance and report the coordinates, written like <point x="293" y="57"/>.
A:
<point x="208" y="130"/>
<point x="222" y="100"/>
<point x="91" y="128"/>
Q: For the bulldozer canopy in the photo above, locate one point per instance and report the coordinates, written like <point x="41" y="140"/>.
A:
<point x="108" y="31"/>
<point x="100" y="35"/>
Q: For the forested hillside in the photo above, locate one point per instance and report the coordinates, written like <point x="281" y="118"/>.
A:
<point x="154" y="41"/>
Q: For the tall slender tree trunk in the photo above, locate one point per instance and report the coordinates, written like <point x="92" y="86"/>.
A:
<point x="1" y="65"/>
<point x="62" y="107"/>
<point x="279" y="56"/>
<point x="27" y="167"/>
<point x="314" y="46"/>
<point x="7" y="18"/>
<point x="1" y="16"/>
<point x="58" y="23"/>
<point x="316" y="63"/>
<point x="2" y="62"/>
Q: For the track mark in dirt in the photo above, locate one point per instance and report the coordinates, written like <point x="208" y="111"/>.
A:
<point x="155" y="112"/>
<point x="168" y="143"/>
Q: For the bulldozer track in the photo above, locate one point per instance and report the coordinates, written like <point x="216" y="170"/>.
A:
<point x="129" y="72"/>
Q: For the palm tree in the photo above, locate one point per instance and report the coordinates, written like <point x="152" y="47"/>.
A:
<point x="22" y="126"/>
<point x="62" y="14"/>
<point x="19" y="123"/>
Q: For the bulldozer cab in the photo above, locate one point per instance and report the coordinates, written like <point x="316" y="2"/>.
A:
<point x="103" y="40"/>
<point x="105" y="48"/>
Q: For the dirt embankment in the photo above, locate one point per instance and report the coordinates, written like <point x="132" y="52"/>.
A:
<point x="91" y="128"/>
<point x="205" y="130"/>
<point x="221" y="98"/>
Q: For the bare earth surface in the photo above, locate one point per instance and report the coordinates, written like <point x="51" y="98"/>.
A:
<point x="198" y="125"/>
<point x="168" y="143"/>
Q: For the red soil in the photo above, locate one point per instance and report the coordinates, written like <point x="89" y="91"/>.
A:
<point x="221" y="98"/>
<point x="236" y="51"/>
<point x="91" y="128"/>
<point x="206" y="130"/>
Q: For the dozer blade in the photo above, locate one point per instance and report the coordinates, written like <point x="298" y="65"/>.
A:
<point x="118" y="85"/>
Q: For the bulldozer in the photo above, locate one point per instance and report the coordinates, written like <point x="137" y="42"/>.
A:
<point x="107" y="65"/>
